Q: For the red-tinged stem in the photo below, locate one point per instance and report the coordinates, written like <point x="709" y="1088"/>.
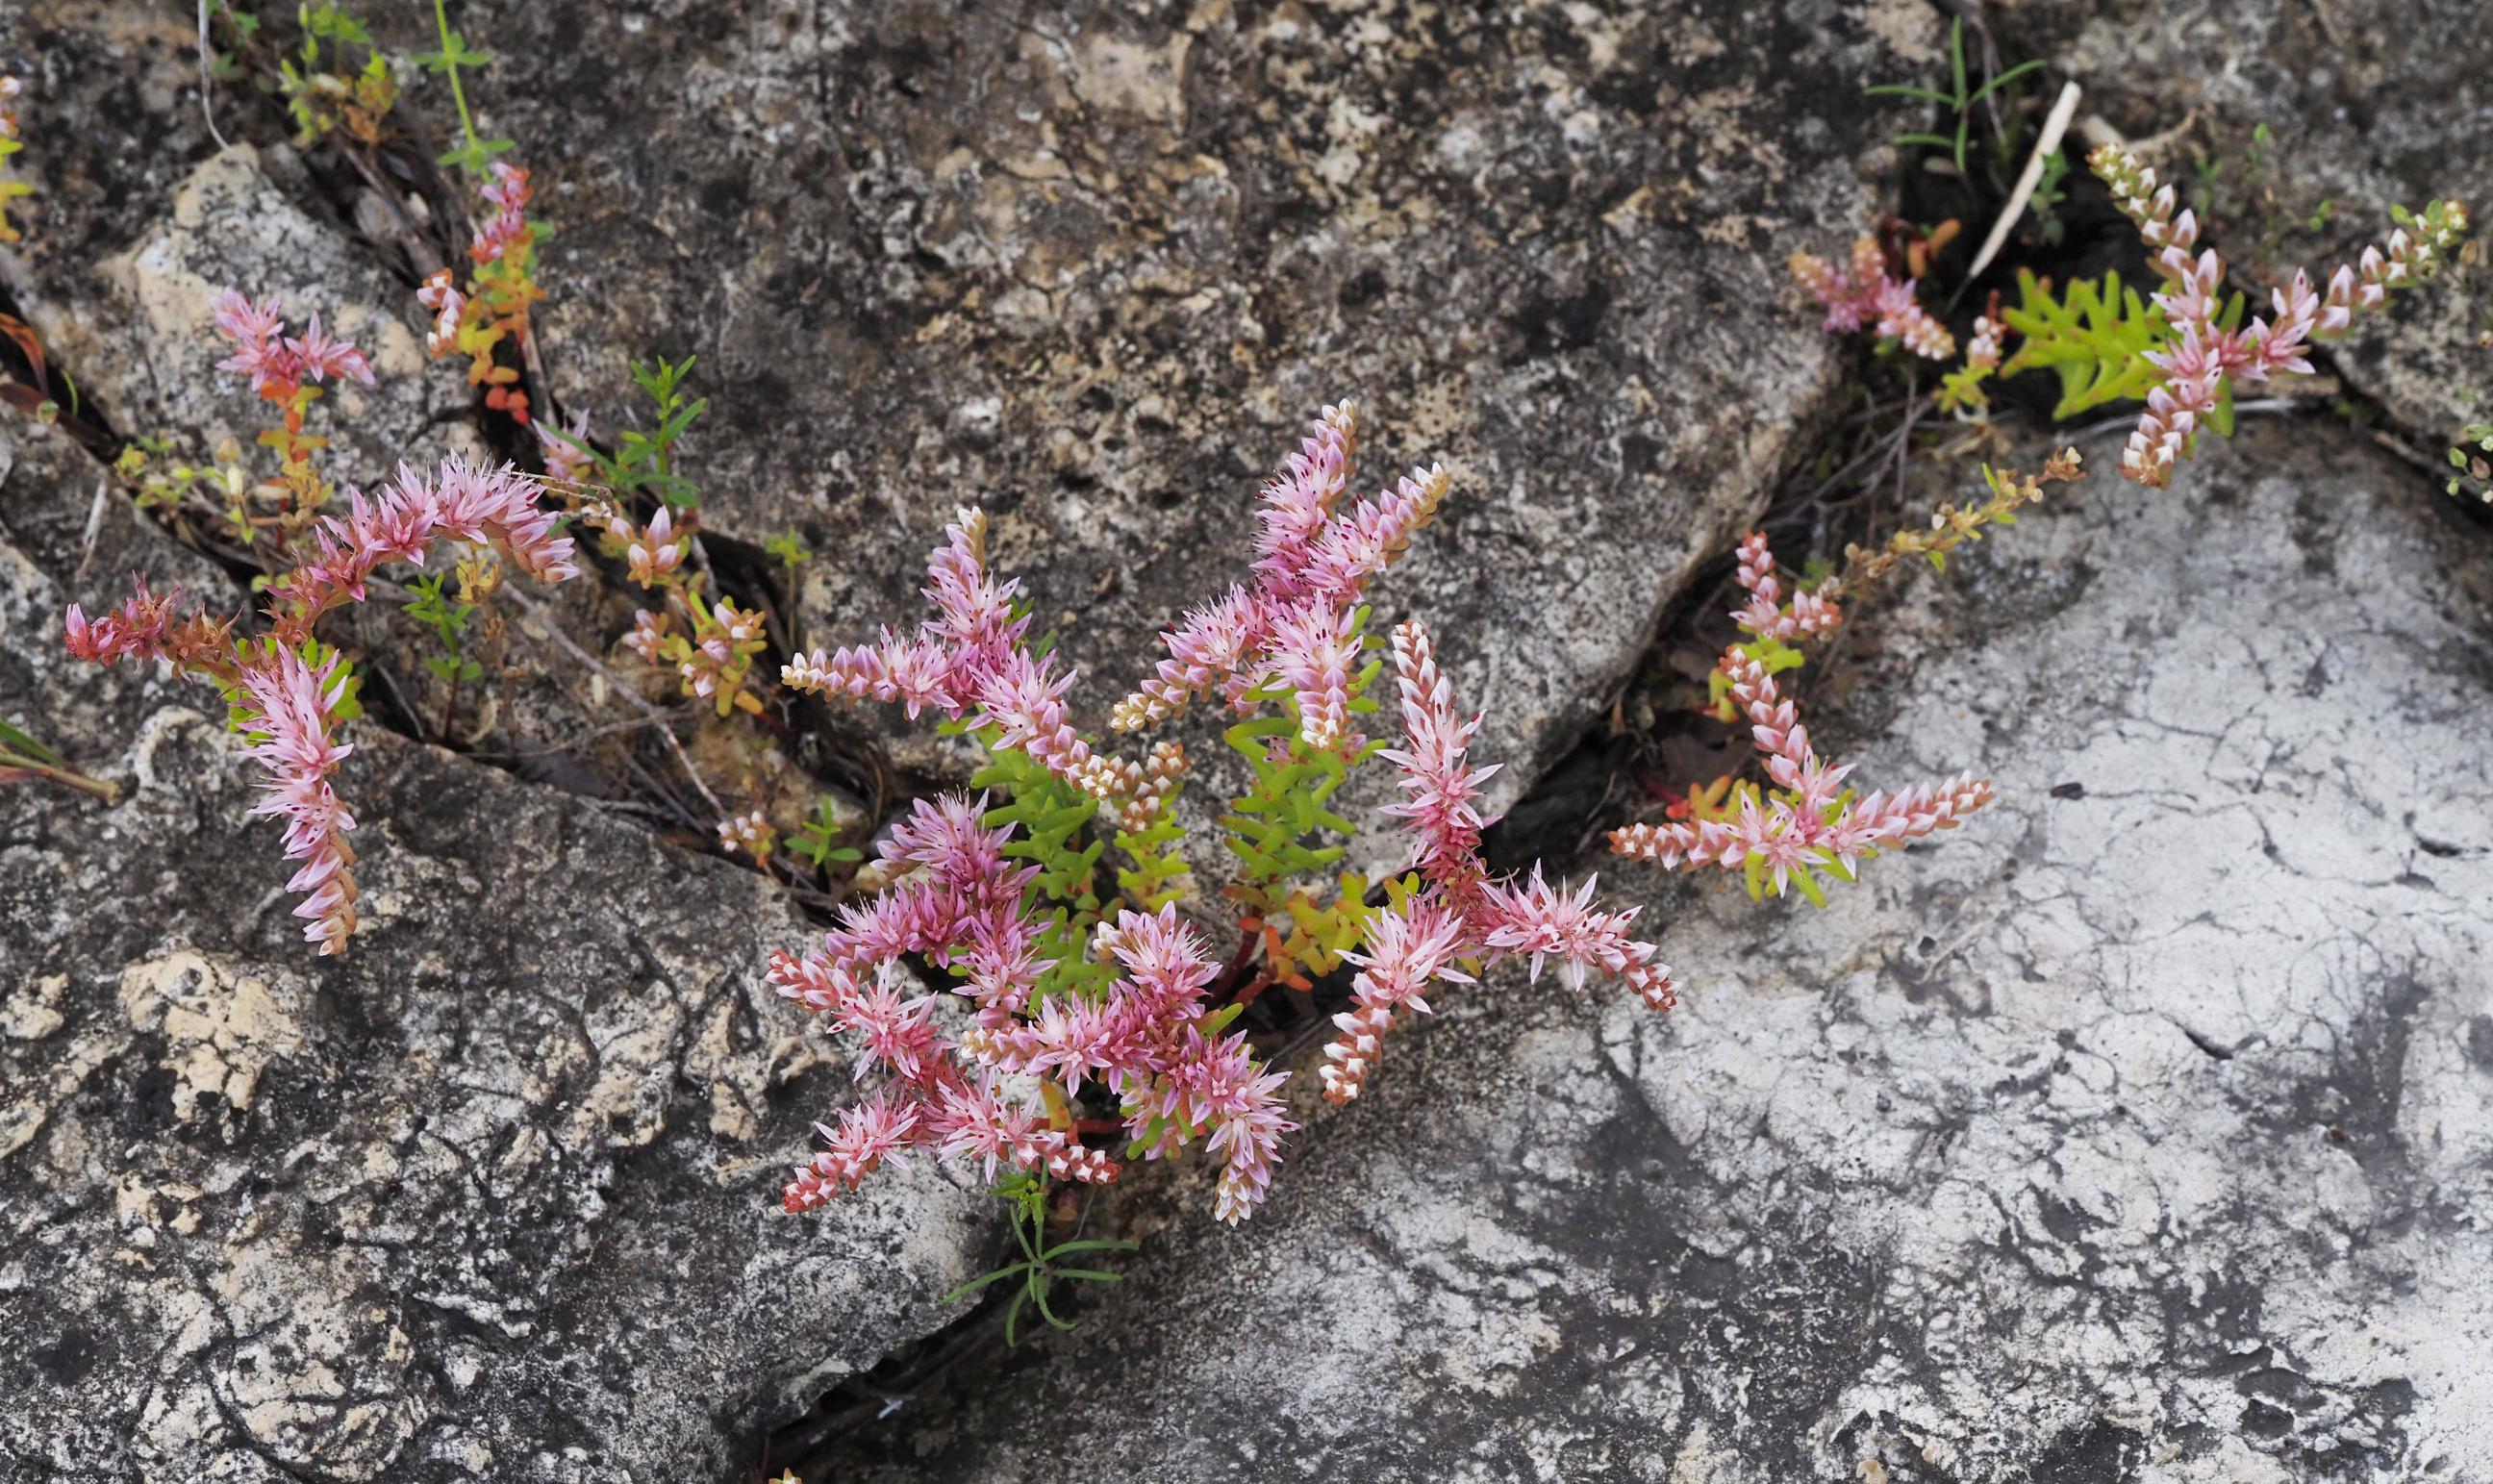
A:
<point x="16" y="768"/>
<point x="1250" y="933"/>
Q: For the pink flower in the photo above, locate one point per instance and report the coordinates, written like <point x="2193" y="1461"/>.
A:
<point x="881" y="1126"/>
<point x="650" y="627"/>
<point x="1869" y="294"/>
<point x="322" y="357"/>
<point x="1445" y="826"/>
<point x="136" y="627"/>
<point x="564" y="459"/>
<point x="1535" y="919"/>
<point x="275" y="365"/>
<point x="654" y="554"/>
<point x="1463" y="912"/>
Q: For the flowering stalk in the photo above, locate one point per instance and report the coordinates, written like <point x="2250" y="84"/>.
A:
<point x="1951" y="527"/>
<point x="287" y="691"/>
<point x="277" y="368"/>
<point x="1808" y="821"/>
<point x="1461" y="913"/>
<point x="1295" y="627"/>
<point x="501" y="288"/>
<point x="972" y="660"/>
<point x="2209" y="350"/>
<point x="1867" y="294"/>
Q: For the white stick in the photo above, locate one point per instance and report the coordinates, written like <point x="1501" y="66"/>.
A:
<point x="207" y="82"/>
<point x="2033" y="175"/>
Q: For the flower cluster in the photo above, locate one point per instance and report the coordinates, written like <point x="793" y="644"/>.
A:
<point x="1151" y="1039"/>
<point x="971" y="657"/>
<point x="1868" y="294"/>
<point x="500" y="291"/>
<point x="1461" y="913"/>
<point x="566" y="451"/>
<point x="276" y="364"/>
<point x="1296" y="626"/>
<point x="712" y="654"/>
<point x="1808" y="821"/>
<point x="288" y="690"/>
<point x="1961" y="390"/>
<point x="2207" y="351"/>
<point x="1001" y="898"/>
<point x="280" y="370"/>
<point x="751" y="833"/>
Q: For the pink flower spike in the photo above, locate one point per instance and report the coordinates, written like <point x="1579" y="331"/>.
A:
<point x="1808" y="824"/>
<point x="2204" y="354"/>
<point x="1445" y="824"/>
<point x="290" y="707"/>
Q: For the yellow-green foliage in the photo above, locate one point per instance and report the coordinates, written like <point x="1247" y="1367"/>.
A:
<point x="2095" y="335"/>
<point x="1056" y="828"/>
<point x="1272" y="829"/>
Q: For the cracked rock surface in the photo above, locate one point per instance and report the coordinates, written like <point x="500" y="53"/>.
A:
<point x="1095" y="265"/>
<point x="2368" y="104"/>
<point x="2141" y="1129"/>
<point x="488" y="1197"/>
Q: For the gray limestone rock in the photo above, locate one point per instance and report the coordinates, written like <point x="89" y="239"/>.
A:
<point x="2141" y="1129"/>
<point x="1096" y="265"/>
<point x="490" y="1197"/>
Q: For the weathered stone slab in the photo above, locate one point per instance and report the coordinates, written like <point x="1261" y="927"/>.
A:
<point x="491" y="1197"/>
<point x="2367" y="103"/>
<point x="1095" y="265"/>
<point x="2144" y="1129"/>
